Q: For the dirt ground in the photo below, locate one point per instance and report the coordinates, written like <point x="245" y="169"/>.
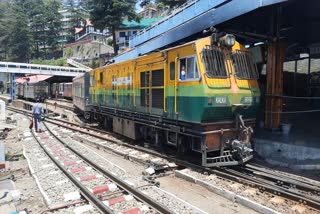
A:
<point x="31" y="199"/>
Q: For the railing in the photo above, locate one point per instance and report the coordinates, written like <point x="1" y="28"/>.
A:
<point x="77" y="64"/>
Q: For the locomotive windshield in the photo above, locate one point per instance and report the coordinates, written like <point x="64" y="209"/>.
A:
<point x="214" y="61"/>
<point x="244" y="66"/>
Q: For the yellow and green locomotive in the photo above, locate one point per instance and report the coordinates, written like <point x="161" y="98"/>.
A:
<point x="201" y="96"/>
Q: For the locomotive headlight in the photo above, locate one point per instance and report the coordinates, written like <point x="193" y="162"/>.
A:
<point x="228" y="40"/>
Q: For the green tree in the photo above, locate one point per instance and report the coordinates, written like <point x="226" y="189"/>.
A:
<point x="110" y="13"/>
<point x="45" y="25"/>
<point x="7" y="18"/>
<point x="78" y="19"/>
<point x="53" y="23"/>
<point x="21" y="38"/>
<point x="28" y="28"/>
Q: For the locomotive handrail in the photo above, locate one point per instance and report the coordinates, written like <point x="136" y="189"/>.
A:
<point x="176" y="76"/>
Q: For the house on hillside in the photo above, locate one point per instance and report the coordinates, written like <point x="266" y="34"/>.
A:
<point x="89" y="32"/>
<point x="130" y="28"/>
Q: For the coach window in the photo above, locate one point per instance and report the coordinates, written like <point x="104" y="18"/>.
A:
<point x="172" y="70"/>
<point x="188" y="69"/>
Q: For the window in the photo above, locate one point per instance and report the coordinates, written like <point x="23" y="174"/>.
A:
<point x="172" y="70"/>
<point x="188" y="68"/>
<point x="101" y="77"/>
<point x="244" y="66"/>
<point x="214" y="61"/>
<point x="122" y="34"/>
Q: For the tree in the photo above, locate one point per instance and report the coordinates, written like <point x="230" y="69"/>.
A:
<point x="45" y="25"/>
<point x="21" y="38"/>
<point x="78" y="18"/>
<point x="7" y="18"/>
<point x="28" y="27"/>
<point x="110" y="13"/>
<point x="53" y="23"/>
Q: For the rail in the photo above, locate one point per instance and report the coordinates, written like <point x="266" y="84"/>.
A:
<point x="230" y="174"/>
<point x="121" y="183"/>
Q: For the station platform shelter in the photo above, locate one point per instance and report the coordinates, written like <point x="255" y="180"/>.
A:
<point x="285" y="41"/>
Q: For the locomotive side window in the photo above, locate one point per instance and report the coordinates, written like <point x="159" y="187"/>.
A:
<point x="188" y="68"/>
<point x="244" y="66"/>
<point x="172" y="70"/>
<point x="214" y="61"/>
<point x="101" y="77"/>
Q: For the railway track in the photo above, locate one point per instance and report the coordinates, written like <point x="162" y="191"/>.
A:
<point x="60" y="105"/>
<point x="302" y="191"/>
<point x="108" y="192"/>
<point x="97" y="183"/>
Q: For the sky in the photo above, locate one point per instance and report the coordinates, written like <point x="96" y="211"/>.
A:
<point x="138" y="8"/>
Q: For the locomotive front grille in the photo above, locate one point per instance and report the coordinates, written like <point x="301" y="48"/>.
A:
<point x="214" y="61"/>
<point x="244" y="66"/>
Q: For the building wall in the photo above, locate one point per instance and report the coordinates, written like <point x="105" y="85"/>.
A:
<point x="122" y="37"/>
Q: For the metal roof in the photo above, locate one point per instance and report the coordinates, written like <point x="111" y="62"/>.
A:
<point x="192" y="18"/>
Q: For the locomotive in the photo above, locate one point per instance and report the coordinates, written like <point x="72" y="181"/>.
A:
<point x="200" y="97"/>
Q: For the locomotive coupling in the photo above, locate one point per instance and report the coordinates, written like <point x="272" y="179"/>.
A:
<point x="240" y="150"/>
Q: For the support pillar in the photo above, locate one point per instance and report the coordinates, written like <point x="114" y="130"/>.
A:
<point x="13" y="86"/>
<point x="276" y="56"/>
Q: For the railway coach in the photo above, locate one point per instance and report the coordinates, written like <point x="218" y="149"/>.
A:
<point x="80" y="97"/>
<point x="200" y="97"/>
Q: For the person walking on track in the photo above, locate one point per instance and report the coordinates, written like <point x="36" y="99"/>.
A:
<point x="37" y="111"/>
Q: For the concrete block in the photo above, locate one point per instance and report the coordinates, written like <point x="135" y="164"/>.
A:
<point x="72" y="196"/>
<point x="82" y="209"/>
<point x="150" y="171"/>
<point x="2" y="110"/>
<point x="15" y="194"/>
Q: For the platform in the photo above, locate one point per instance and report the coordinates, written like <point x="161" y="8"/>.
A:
<point x="6" y="98"/>
<point x="300" y="149"/>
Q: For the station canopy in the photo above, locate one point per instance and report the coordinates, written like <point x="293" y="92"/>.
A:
<point x="294" y="21"/>
<point x="33" y="79"/>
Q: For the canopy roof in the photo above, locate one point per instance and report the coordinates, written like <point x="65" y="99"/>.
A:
<point x="32" y="79"/>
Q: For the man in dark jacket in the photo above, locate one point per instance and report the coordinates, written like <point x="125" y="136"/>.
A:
<point x="37" y="111"/>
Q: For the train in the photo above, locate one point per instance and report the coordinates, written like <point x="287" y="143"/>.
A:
<point x="200" y="97"/>
<point x="42" y="90"/>
<point x="62" y="90"/>
<point x="34" y="91"/>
